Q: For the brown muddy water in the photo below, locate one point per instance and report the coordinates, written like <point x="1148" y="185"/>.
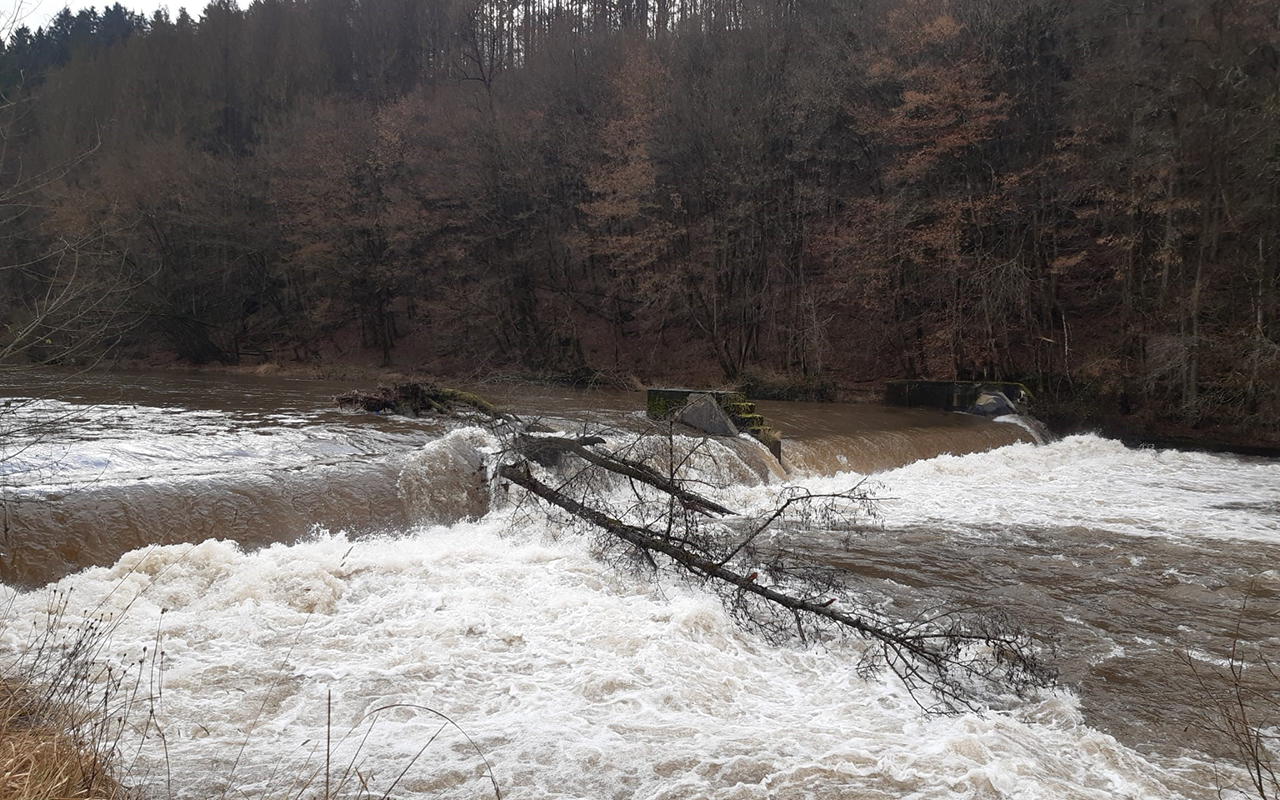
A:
<point x="100" y="466"/>
<point x="268" y="524"/>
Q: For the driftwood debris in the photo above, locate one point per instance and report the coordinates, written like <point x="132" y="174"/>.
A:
<point x="946" y="661"/>
<point x="414" y="399"/>
<point x="537" y="446"/>
<point x="647" y="540"/>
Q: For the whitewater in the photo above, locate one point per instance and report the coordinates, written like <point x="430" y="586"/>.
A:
<point x="574" y="679"/>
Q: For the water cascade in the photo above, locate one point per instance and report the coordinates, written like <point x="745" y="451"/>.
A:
<point x="314" y="575"/>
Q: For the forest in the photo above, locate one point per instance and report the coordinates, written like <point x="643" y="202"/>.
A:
<point x="799" y="196"/>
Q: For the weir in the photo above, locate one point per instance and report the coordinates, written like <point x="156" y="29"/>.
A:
<point x="179" y="459"/>
<point x="825" y="438"/>
<point x="1128" y="556"/>
<point x="952" y="395"/>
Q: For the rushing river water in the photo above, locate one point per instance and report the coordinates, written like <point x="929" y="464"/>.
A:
<point x="301" y="567"/>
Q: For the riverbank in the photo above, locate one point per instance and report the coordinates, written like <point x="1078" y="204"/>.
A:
<point x="1148" y="428"/>
<point x="44" y="751"/>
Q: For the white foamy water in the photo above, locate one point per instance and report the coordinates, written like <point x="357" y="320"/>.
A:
<point x="575" y="681"/>
<point x="51" y="444"/>
<point x="1083" y="481"/>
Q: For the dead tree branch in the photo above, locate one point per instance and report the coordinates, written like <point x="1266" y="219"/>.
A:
<point x="413" y="399"/>
<point x="533" y="446"/>
<point x="951" y="659"/>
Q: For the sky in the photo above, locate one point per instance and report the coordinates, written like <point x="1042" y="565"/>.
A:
<point x="36" y="13"/>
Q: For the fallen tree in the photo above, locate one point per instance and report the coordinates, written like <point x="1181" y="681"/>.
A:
<point x="537" y="448"/>
<point x="641" y="498"/>
<point x="948" y="662"/>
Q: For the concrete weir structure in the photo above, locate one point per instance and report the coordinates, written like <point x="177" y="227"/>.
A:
<point x="669" y="404"/>
<point x="952" y="395"/>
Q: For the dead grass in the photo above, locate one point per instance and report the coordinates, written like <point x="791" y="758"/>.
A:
<point x="42" y="756"/>
<point x="62" y="708"/>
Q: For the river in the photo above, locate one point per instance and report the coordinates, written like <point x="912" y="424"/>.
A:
<point x="300" y="567"/>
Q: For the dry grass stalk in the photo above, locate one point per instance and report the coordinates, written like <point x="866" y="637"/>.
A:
<point x="41" y="755"/>
<point x="63" y="709"/>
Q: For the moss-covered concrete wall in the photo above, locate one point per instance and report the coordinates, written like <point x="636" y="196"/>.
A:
<point x="662" y="403"/>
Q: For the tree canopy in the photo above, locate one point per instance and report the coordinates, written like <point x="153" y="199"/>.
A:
<point x="1080" y="194"/>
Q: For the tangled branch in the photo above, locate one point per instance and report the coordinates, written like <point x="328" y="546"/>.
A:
<point x="948" y="662"/>
<point x="413" y="399"/>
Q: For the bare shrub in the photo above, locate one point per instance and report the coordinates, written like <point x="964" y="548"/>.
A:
<point x="1241" y="707"/>
<point x="63" y="711"/>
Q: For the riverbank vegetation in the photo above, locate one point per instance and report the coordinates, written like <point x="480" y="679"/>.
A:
<point x="1081" y="195"/>
<point x="63" y="711"/>
<point x="40" y="757"/>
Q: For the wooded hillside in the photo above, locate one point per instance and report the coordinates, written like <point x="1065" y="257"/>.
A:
<point x="1082" y="194"/>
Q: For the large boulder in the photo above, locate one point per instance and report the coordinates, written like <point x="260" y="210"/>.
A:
<point x="705" y="414"/>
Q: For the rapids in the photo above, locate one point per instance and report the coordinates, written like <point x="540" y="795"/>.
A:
<point x="301" y="568"/>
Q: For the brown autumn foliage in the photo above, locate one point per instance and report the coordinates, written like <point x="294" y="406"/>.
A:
<point x="1082" y="195"/>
